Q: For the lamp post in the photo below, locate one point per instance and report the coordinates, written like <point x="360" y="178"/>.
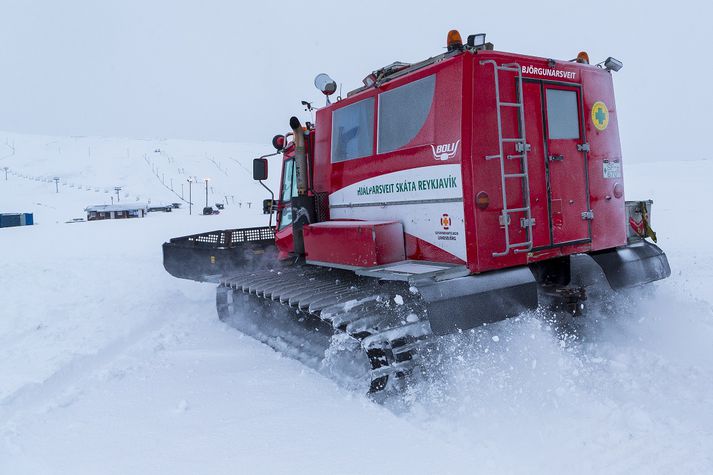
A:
<point x="190" y="199"/>
<point x="5" y="168"/>
<point x="56" y="184"/>
<point x="206" y="191"/>
<point x="117" y="189"/>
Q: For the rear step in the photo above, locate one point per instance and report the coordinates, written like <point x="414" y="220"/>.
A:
<point x="208" y="256"/>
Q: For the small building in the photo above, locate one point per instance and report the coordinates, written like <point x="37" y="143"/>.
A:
<point x="162" y="208"/>
<point x="8" y="220"/>
<point x="115" y="211"/>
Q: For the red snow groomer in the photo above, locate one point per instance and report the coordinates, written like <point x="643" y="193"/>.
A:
<point x="440" y="196"/>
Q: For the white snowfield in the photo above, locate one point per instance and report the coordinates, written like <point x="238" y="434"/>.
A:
<point x="108" y="365"/>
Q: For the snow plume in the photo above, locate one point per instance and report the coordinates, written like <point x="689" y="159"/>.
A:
<point x="618" y="386"/>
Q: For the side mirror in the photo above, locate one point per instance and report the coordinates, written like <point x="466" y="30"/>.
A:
<point x="260" y="169"/>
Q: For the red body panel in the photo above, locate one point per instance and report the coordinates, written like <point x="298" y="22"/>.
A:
<point x="605" y="145"/>
<point x="573" y="164"/>
<point x="355" y="243"/>
<point x="284" y="242"/>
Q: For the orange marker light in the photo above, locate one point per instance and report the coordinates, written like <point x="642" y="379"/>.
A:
<point x="454" y="41"/>
<point x="583" y="57"/>
<point x="482" y="200"/>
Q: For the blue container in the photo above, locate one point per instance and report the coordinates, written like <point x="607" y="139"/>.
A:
<point x="9" y="220"/>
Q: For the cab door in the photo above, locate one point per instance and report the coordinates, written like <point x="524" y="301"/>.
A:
<point x="566" y="165"/>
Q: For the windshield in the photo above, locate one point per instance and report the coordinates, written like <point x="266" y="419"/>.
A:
<point x="289" y="189"/>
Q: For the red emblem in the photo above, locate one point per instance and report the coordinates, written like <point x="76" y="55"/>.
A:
<point x="637" y="226"/>
<point x="445" y="221"/>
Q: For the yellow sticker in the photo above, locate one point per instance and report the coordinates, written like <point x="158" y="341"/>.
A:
<point x="600" y="115"/>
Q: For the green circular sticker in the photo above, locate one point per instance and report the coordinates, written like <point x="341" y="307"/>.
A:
<point x="600" y="115"/>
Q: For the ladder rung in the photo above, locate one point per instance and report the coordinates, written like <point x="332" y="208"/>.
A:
<point x="510" y="104"/>
<point x="510" y="157"/>
<point x="514" y="140"/>
<point x="519" y="244"/>
<point x="515" y="175"/>
<point x="515" y="210"/>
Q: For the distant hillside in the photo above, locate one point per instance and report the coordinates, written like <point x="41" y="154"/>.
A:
<point x="156" y="171"/>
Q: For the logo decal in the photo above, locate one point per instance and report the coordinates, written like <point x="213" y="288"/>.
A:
<point x="445" y="151"/>
<point x="637" y="226"/>
<point x="448" y="233"/>
<point x="549" y="72"/>
<point x="600" y="115"/>
<point x="301" y="213"/>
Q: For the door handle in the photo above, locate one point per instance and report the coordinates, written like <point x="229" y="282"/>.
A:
<point x="556" y="158"/>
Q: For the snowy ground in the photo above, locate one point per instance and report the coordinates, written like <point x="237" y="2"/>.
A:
<point x="110" y="365"/>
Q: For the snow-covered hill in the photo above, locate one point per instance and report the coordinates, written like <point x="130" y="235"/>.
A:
<point x="110" y="365"/>
<point x="90" y="169"/>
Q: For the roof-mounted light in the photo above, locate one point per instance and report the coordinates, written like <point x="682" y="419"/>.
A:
<point x="477" y="40"/>
<point x="613" y="64"/>
<point x="454" y="41"/>
<point x="325" y="84"/>
<point x="278" y="141"/>
<point x="369" y="80"/>
<point x="582" y="57"/>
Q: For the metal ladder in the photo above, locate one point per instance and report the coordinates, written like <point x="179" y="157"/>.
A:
<point x="521" y="147"/>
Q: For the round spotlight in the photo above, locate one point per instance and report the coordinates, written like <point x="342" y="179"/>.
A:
<point x="325" y="84"/>
<point x="278" y="141"/>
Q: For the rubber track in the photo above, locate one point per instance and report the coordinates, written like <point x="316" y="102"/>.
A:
<point x="389" y="333"/>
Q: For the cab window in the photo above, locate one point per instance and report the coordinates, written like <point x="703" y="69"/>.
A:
<point x="289" y="189"/>
<point x="353" y="131"/>
<point x="562" y="114"/>
<point x="403" y="112"/>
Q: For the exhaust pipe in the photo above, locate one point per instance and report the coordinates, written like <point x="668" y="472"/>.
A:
<point x="302" y="204"/>
<point x="300" y="156"/>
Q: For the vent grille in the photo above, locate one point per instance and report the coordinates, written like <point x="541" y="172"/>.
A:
<point x="228" y="238"/>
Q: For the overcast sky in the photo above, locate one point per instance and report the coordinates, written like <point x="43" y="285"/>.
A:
<point x="236" y="71"/>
